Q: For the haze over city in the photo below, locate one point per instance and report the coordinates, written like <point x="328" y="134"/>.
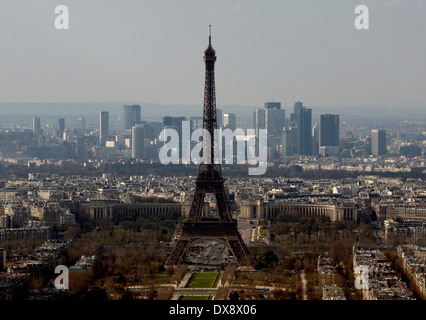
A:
<point x="275" y="50"/>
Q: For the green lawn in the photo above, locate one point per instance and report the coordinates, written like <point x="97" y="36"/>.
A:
<point x="203" y="280"/>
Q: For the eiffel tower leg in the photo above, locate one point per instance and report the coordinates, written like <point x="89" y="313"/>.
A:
<point x="197" y="204"/>
<point x="178" y="252"/>
<point x="222" y="205"/>
<point x="239" y="250"/>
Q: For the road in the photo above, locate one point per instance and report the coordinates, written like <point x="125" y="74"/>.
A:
<point x="304" y="284"/>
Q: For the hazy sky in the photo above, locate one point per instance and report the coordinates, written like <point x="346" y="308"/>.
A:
<point x="151" y="51"/>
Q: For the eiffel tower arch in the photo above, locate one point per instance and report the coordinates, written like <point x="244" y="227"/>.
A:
<point x="224" y="233"/>
<point x="210" y="180"/>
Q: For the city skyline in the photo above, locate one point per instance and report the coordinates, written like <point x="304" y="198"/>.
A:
<point x="306" y="45"/>
<point x="290" y="201"/>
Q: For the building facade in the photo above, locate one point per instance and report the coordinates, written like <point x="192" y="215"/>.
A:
<point x="61" y="127"/>
<point x="130" y="116"/>
<point x="36" y="125"/>
<point x="378" y="142"/>
<point x="274" y="124"/>
<point x="258" y="209"/>
<point x="329" y="130"/>
<point x="230" y="121"/>
<point x="104" y="210"/>
<point x="304" y="131"/>
<point x="288" y="142"/>
<point x="103" y="127"/>
<point x="20" y="235"/>
<point x="138" y="142"/>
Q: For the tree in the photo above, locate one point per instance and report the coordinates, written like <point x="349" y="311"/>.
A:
<point x="152" y="293"/>
<point x="268" y="260"/>
<point x="341" y="251"/>
<point x="234" y="296"/>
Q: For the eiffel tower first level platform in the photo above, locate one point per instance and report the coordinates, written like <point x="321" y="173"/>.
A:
<point x="223" y="232"/>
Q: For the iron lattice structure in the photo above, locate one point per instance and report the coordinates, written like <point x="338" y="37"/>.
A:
<point x="210" y="180"/>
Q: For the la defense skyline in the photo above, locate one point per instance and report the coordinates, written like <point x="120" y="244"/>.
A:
<point x="286" y="136"/>
<point x="296" y="134"/>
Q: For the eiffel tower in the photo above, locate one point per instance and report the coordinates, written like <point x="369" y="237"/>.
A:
<point x="210" y="180"/>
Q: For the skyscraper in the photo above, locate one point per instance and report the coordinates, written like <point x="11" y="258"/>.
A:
<point x="288" y="142"/>
<point x="304" y="130"/>
<point x="315" y="138"/>
<point x="271" y="118"/>
<point x="130" y="115"/>
<point x="82" y="125"/>
<point x="61" y="127"/>
<point x="378" y="142"/>
<point x="230" y="121"/>
<point x="329" y="130"/>
<point x="295" y="116"/>
<point x="81" y="153"/>
<point x="176" y="123"/>
<point x="196" y="122"/>
<point x="103" y="127"/>
<point x="272" y="105"/>
<point x="138" y="141"/>
<point x="219" y="117"/>
<point x="36" y="125"/>
<point x="258" y="120"/>
<point x="274" y="124"/>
